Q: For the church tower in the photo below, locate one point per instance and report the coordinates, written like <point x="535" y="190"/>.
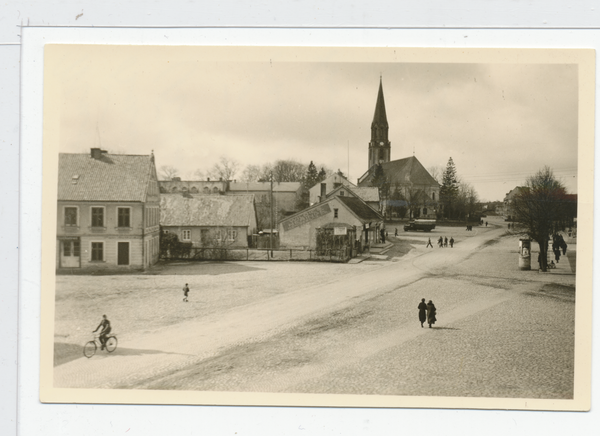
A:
<point x="379" y="147"/>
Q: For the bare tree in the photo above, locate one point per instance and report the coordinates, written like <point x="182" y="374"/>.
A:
<point x="252" y="173"/>
<point x="167" y="172"/>
<point x="225" y="169"/>
<point x="436" y="172"/>
<point x="287" y="171"/>
<point x="541" y="209"/>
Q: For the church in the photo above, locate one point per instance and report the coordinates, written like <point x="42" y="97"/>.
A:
<point x="411" y="188"/>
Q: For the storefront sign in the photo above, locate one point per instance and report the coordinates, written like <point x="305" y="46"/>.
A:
<point x="340" y="231"/>
<point x="304" y="217"/>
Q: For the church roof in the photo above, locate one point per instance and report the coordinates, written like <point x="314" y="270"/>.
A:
<point x="380" y="117"/>
<point x="402" y="171"/>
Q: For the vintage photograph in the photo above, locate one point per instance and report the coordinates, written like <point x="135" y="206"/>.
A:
<point x="377" y="227"/>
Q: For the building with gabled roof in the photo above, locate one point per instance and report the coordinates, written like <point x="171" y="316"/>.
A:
<point x="370" y="195"/>
<point x="320" y="190"/>
<point x="108" y="211"/>
<point x="343" y="212"/>
<point x="408" y="179"/>
<point x="209" y="220"/>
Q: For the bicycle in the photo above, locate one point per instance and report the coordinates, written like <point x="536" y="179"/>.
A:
<point x="89" y="349"/>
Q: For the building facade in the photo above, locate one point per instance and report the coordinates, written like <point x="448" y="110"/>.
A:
<point x="108" y="211"/>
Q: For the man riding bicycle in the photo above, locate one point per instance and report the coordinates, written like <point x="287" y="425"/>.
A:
<point x="105" y="325"/>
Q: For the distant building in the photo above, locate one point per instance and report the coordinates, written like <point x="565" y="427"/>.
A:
<point x="369" y="195"/>
<point x="108" y="211"/>
<point x="206" y="187"/>
<point x="285" y="199"/>
<point x="407" y="177"/>
<point x="508" y="211"/>
<point x="208" y="220"/>
<point x="319" y="191"/>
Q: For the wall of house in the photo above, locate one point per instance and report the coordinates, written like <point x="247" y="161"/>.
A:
<point x="213" y="236"/>
<point x="142" y="234"/>
<point x="304" y="235"/>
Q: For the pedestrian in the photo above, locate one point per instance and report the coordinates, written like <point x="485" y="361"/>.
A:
<point x="440" y="242"/>
<point x="451" y="242"/>
<point x="446" y="241"/>
<point x="186" y="291"/>
<point x="382" y="232"/>
<point x="429" y="244"/>
<point x="431" y="312"/>
<point x="486" y="223"/>
<point x="422" y="311"/>
<point x="396" y="232"/>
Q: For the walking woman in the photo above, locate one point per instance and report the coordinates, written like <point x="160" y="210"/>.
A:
<point x="430" y="313"/>
<point x="422" y="311"/>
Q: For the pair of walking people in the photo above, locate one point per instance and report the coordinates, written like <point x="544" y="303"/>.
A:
<point x="427" y="312"/>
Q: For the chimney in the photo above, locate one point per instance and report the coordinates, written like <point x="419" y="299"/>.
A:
<point x="97" y="153"/>
<point x="323" y="191"/>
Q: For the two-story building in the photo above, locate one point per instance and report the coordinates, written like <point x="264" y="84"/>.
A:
<point x="108" y="211"/>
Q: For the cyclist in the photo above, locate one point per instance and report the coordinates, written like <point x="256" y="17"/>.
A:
<point x="105" y="325"/>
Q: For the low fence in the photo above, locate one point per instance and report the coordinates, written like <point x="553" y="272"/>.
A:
<point x="280" y="254"/>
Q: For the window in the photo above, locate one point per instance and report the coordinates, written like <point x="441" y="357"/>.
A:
<point x="341" y="193"/>
<point x="97" y="251"/>
<point x="231" y="235"/>
<point x="186" y="235"/>
<point x="97" y="217"/>
<point x="433" y="195"/>
<point x="70" y="216"/>
<point x="76" y="248"/>
<point x="66" y="248"/>
<point x="123" y="217"/>
<point x="335" y="213"/>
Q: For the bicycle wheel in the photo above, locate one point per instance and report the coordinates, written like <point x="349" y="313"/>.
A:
<point x="89" y="349"/>
<point x="111" y="344"/>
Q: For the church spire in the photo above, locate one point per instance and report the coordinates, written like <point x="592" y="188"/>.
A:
<point x="380" y="146"/>
<point x="380" y="118"/>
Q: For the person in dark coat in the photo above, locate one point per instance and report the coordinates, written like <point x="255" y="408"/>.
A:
<point x="186" y="291"/>
<point x="382" y="232"/>
<point x="422" y="311"/>
<point x="451" y="242"/>
<point x="431" y="312"/>
<point x="446" y="241"/>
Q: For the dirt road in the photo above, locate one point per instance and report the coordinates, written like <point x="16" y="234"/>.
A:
<point x="295" y="341"/>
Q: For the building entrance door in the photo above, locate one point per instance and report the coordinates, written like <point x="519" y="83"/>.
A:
<point x="69" y="253"/>
<point x="123" y="253"/>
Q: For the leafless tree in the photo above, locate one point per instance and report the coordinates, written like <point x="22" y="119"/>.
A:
<point x="436" y="172"/>
<point x="167" y="172"/>
<point x="252" y="173"/>
<point x="541" y="209"/>
<point x="225" y="169"/>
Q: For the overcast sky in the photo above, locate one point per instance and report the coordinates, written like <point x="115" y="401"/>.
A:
<point x="499" y="122"/>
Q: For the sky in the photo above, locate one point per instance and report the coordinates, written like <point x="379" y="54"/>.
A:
<point x="500" y="122"/>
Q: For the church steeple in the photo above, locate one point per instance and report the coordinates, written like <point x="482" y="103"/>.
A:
<point x="380" y="146"/>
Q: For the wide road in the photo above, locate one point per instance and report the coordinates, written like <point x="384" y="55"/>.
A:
<point x="499" y="334"/>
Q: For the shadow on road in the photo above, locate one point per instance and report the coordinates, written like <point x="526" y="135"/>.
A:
<point x="444" y="328"/>
<point x="64" y="353"/>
